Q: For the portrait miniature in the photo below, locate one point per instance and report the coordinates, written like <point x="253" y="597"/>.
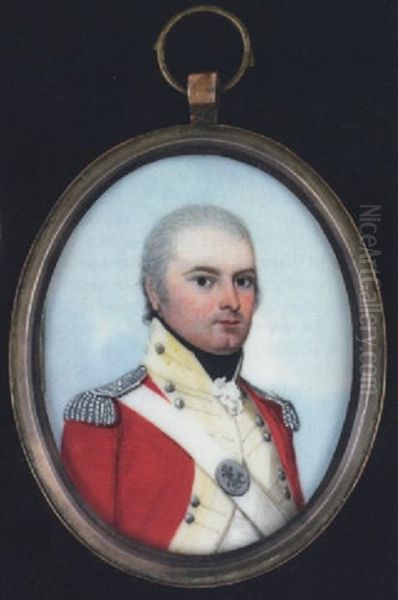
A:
<point x="187" y="359"/>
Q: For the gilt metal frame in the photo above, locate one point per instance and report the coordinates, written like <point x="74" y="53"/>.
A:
<point x="26" y="362"/>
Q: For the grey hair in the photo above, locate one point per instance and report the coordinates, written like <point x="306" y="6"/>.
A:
<point x="158" y="246"/>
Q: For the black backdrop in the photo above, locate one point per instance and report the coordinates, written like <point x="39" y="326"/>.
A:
<point x="78" y="78"/>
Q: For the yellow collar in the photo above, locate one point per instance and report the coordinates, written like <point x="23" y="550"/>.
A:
<point x="169" y="359"/>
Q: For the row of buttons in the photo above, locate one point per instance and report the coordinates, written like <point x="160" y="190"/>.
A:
<point x="178" y="402"/>
<point x="281" y="472"/>
<point x="189" y="517"/>
<point x="260" y="423"/>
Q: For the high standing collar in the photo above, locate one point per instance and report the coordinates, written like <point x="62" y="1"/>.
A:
<point x="170" y="359"/>
<point x="215" y="365"/>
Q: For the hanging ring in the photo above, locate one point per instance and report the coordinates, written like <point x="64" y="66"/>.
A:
<point x="160" y="45"/>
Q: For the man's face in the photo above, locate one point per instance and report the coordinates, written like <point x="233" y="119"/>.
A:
<point x="210" y="284"/>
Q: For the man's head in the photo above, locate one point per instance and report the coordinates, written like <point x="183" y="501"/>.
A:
<point x="199" y="275"/>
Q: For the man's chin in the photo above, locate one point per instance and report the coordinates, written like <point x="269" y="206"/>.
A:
<point x="225" y="347"/>
<point x="225" y="352"/>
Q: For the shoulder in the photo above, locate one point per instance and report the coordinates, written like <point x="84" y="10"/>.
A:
<point x="285" y="407"/>
<point x="97" y="406"/>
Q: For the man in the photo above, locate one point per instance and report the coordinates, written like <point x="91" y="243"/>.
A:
<point x="183" y="453"/>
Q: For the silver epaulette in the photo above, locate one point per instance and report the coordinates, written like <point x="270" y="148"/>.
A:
<point x="289" y="414"/>
<point x="96" y="406"/>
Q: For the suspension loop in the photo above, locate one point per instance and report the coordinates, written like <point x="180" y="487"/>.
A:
<point x="160" y="45"/>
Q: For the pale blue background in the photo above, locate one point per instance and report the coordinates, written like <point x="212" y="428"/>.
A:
<point x="301" y="341"/>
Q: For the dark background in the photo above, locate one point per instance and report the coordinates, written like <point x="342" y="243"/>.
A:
<point x="78" y="78"/>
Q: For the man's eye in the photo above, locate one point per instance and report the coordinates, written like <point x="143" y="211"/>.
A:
<point x="245" y="282"/>
<point x="204" y="281"/>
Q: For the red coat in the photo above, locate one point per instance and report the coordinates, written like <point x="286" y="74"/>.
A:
<point x="139" y="480"/>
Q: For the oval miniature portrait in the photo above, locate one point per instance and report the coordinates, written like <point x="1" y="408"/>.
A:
<point x="197" y="356"/>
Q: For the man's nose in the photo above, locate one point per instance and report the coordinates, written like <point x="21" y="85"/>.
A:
<point x="229" y="297"/>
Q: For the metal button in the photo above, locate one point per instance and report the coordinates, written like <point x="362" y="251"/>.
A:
<point x="159" y="348"/>
<point x="259" y="420"/>
<point x="169" y="387"/>
<point x="287" y="493"/>
<point x="189" y="518"/>
<point x="195" y="501"/>
<point x="179" y="403"/>
<point x="267" y="436"/>
<point x="281" y="474"/>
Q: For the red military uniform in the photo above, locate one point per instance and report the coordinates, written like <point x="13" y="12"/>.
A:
<point x="135" y="476"/>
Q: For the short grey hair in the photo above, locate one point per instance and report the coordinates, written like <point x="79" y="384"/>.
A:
<point x="158" y="246"/>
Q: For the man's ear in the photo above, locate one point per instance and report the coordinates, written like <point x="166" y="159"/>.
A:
<point x="152" y="294"/>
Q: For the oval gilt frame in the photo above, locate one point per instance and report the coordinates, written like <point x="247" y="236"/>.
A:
<point x="369" y="358"/>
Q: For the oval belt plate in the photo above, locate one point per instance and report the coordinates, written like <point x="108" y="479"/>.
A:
<point x="233" y="478"/>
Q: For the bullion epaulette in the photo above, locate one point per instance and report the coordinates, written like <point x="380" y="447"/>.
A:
<point x="289" y="414"/>
<point x="96" y="406"/>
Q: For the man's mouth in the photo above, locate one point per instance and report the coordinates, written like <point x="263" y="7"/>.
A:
<point x="229" y="322"/>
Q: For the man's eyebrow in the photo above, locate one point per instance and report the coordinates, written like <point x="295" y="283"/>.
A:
<point x="202" y="269"/>
<point x="249" y="271"/>
<point x="214" y="271"/>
